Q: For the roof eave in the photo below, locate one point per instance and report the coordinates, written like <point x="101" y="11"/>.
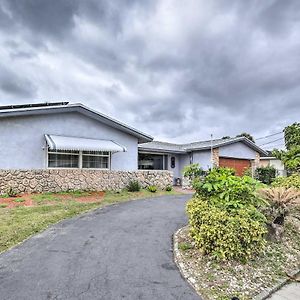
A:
<point x="78" y="107"/>
<point x="239" y="139"/>
<point x="158" y="150"/>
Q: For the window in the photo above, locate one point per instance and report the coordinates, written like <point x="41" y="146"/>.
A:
<point x="78" y="159"/>
<point x="63" y="159"/>
<point x="151" y="161"/>
<point x="95" y="159"/>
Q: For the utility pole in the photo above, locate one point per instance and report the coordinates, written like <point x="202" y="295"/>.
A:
<point x="211" y="151"/>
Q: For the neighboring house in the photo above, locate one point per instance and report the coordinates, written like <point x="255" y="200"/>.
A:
<point x="273" y="162"/>
<point x="63" y="135"/>
<point x="238" y="153"/>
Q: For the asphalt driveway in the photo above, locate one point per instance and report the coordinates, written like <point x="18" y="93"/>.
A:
<point x="118" y="252"/>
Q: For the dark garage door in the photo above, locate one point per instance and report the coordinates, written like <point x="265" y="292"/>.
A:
<point x="239" y="165"/>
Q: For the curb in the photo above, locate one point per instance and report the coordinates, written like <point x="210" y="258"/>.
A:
<point x="269" y="292"/>
<point x="178" y="261"/>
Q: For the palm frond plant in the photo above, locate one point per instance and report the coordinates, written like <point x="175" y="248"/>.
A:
<point x="281" y="200"/>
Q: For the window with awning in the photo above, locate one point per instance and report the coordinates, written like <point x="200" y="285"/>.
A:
<point x="76" y="152"/>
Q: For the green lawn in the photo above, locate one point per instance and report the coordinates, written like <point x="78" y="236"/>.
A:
<point x="19" y="223"/>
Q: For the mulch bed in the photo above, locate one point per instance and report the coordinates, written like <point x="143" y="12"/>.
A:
<point x="31" y="200"/>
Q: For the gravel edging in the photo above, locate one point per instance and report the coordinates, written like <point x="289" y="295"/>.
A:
<point x="179" y="262"/>
<point x="186" y="274"/>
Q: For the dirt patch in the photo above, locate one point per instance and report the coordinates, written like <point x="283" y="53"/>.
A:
<point x="36" y="199"/>
<point x="11" y="202"/>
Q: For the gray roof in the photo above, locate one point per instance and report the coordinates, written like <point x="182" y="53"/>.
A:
<point x="75" y="107"/>
<point x="164" y="147"/>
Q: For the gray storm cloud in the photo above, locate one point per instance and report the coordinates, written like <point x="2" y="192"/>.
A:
<point x="178" y="70"/>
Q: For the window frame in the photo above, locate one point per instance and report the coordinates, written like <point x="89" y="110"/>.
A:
<point x="80" y="154"/>
<point x="99" y="155"/>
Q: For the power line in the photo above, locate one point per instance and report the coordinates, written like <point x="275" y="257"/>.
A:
<point x="266" y="136"/>
<point x="271" y="142"/>
<point x="276" y="145"/>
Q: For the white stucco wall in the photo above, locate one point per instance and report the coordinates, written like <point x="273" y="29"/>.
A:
<point x="203" y="158"/>
<point x="184" y="161"/>
<point x="22" y="139"/>
<point x="276" y="163"/>
<point x="237" y="150"/>
<point x="176" y="170"/>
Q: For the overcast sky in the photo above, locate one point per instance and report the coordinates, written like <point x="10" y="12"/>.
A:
<point x="177" y="70"/>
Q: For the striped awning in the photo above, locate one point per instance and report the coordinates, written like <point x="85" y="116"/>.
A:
<point x="58" y="142"/>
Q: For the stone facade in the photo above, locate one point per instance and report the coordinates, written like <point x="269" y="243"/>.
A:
<point x="257" y="160"/>
<point x="215" y="157"/>
<point x="30" y="181"/>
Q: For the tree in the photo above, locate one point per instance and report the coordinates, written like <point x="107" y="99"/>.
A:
<point x="225" y="137"/>
<point x="247" y="135"/>
<point x="290" y="157"/>
<point x="292" y="135"/>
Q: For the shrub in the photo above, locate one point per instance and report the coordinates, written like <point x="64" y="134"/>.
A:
<point x="192" y="171"/>
<point x="224" y="218"/>
<point x="133" y="186"/>
<point x="290" y="181"/>
<point x="266" y="174"/>
<point x="224" y="189"/>
<point x="152" y="188"/>
<point x="280" y="201"/>
<point x="11" y="192"/>
<point x="248" y="172"/>
<point x="169" y="188"/>
<point x="223" y="234"/>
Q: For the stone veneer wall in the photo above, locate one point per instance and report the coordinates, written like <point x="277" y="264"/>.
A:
<point x="63" y="180"/>
<point x="215" y="157"/>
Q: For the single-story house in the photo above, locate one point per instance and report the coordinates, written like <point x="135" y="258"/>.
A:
<point x="63" y="135"/>
<point x="238" y="153"/>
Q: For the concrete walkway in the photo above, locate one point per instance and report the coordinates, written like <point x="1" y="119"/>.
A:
<point x="118" y="252"/>
<point x="288" y="292"/>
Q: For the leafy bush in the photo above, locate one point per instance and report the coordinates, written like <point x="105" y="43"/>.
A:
<point x="224" y="189"/>
<point x="224" y="218"/>
<point x="290" y="181"/>
<point x="152" y="188"/>
<point x="11" y="192"/>
<point x="192" y="171"/>
<point x="133" y="186"/>
<point x="223" y="234"/>
<point x="266" y="174"/>
<point x="169" y="188"/>
<point x="248" y="172"/>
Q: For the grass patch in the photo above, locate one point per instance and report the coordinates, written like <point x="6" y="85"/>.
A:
<point x="45" y="197"/>
<point x="19" y="223"/>
<point x="3" y="205"/>
<point x="19" y="200"/>
<point x="185" y="246"/>
<point x="75" y="193"/>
